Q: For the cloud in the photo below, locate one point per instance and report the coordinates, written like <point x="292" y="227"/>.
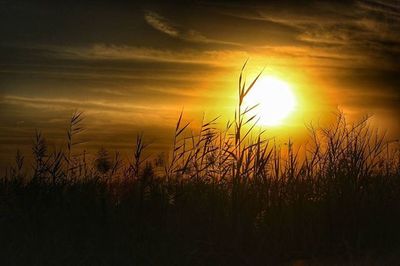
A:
<point x="65" y="104"/>
<point x="123" y="53"/>
<point x="163" y="25"/>
<point x="387" y="8"/>
<point x="160" y="23"/>
<point x="102" y="51"/>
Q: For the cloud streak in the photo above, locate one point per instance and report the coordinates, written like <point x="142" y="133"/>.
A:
<point x="161" y="24"/>
<point x="64" y="103"/>
<point x="167" y="27"/>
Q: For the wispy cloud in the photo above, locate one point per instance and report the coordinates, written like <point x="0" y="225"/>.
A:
<point x="129" y="52"/>
<point x="163" y="25"/>
<point x="160" y="23"/>
<point x="102" y="51"/>
<point x="65" y="103"/>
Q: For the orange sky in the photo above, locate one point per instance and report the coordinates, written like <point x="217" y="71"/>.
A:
<point x="133" y="67"/>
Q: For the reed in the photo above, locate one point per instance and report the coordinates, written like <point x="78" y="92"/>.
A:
<point x="230" y="196"/>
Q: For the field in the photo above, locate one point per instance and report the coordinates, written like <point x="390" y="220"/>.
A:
<point x="230" y="196"/>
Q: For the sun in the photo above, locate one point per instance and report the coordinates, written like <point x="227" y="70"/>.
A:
<point x="275" y="100"/>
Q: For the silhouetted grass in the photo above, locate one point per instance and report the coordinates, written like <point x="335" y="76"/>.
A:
<point x="224" y="197"/>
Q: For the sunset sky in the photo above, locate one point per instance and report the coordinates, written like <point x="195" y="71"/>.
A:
<point x="133" y="67"/>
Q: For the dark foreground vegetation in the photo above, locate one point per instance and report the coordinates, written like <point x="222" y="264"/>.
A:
<point x="223" y="197"/>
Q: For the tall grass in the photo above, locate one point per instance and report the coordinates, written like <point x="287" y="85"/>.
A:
<point x="227" y="196"/>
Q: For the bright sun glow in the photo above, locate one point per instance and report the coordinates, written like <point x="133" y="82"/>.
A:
<point x="275" y="98"/>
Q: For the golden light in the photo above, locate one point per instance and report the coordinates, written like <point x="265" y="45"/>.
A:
<point x="275" y="100"/>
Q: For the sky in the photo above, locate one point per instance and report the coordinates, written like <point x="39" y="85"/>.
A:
<point x="133" y="66"/>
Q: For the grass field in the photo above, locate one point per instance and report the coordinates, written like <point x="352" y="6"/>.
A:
<point x="227" y="196"/>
